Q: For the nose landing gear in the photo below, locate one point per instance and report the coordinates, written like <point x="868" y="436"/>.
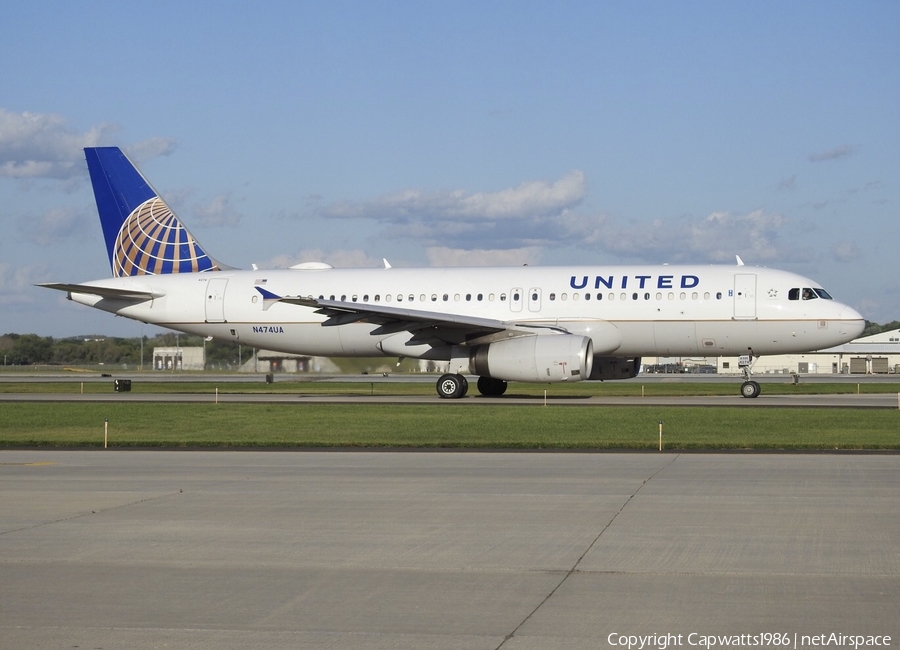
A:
<point x="749" y="388"/>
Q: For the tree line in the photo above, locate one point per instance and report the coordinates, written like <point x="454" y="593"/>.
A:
<point x="31" y="349"/>
<point x="94" y="350"/>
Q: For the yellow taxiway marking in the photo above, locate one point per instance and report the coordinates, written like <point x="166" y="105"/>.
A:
<point x="38" y="464"/>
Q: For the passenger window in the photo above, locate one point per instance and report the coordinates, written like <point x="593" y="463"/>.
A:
<point x="456" y="297"/>
<point x="718" y="295"/>
<point x="468" y="296"/>
<point x="659" y="296"/>
<point x="695" y="295"/>
<point x="599" y="296"/>
<point x="562" y="296"/>
<point x="422" y="298"/>
<point x="587" y="296"/>
<point x="354" y="298"/>
<point x="446" y="297"/>
<point x="412" y="298"/>
<point x="377" y="298"/>
<point x="624" y="296"/>
<point x="646" y="296"/>
<point x="491" y="297"/>
<point x="682" y="295"/>
<point x="706" y="296"/>
<point x="502" y="297"/>
<point x="331" y="297"/>
<point x="634" y="296"/>
<point x="399" y="297"/>
<point x="552" y="296"/>
<point x="366" y="298"/>
<point x="480" y="297"/>
<point x="575" y="296"/>
<point x="671" y="295"/>
<point x="434" y="297"/>
<point x="344" y="298"/>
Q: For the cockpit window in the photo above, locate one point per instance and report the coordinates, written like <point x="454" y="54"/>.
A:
<point x="808" y="293"/>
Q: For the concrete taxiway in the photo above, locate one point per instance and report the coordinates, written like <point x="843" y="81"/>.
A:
<point x="136" y="549"/>
<point x="865" y="400"/>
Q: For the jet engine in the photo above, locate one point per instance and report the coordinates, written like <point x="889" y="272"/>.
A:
<point x="545" y="358"/>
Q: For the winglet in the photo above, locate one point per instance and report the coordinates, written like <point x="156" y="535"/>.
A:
<point x="740" y="262"/>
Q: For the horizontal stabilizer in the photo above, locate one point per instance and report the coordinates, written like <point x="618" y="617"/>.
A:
<point x="104" y="292"/>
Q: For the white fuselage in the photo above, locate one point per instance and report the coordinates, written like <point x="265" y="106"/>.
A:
<point x="625" y="310"/>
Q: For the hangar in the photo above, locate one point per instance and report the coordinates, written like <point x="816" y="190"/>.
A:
<point x="877" y="354"/>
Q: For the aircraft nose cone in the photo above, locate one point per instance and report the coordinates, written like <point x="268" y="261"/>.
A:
<point x="852" y="322"/>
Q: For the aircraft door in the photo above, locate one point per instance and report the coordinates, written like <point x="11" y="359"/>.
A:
<point x="215" y="300"/>
<point x="745" y="295"/>
<point x="534" y="299"/>
<point x="515" y="299"/>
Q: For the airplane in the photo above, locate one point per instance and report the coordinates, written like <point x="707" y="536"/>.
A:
<point x="526" y="323"/>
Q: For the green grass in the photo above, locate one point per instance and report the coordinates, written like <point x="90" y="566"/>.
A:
<point x="450" y="425"/>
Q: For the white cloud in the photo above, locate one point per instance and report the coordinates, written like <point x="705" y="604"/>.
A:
<point x="337" y="258"/>
<point x="55" y="225"/>
<point x="715" y="238"/>
<point x="530" y="199"/>
<point x="218" y="212"/>
<point x="149" y="149"/>
<point x="442" y="256"/>
<point x="43" y="145"/>
<point x="845" y="251"/>
<point x="837" y="153"/>
<point x="789" y="184"/>
<point x="522" y="224"/>
<point x="17" y="282"/>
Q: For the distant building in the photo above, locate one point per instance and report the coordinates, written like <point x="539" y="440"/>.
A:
<point x="878" y="354"/>
<point x="179" y="358"/>
<point x="269" y="361"/>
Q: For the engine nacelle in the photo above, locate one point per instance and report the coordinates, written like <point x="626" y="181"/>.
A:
<point x="546" y="358"/>
<point x="606" y="368"/>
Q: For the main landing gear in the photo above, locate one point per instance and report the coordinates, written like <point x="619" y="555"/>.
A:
<point x="749" y="388"/>
<point x="452" y="386"/>
<point x="456" y="386"/>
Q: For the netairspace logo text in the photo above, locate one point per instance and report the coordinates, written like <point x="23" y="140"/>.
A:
<point x="768" y="639"/>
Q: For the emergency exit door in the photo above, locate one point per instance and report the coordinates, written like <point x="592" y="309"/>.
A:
<point x="215" y="300"/>
<point x="745" y="295"/>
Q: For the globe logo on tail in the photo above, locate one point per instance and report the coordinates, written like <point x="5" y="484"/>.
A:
<point x="152" y="241"/>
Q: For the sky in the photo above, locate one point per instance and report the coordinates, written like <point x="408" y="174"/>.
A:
<point x="457" y="133"/>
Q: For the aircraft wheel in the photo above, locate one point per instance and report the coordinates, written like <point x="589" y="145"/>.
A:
<point x="750" y="389"/>
<point x="452" y="386"/>
<point x="490" y="387"/>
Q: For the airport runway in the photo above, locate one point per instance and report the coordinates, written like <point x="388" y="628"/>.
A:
<point x="878" y="400"/>
<point x="135" y="549"/>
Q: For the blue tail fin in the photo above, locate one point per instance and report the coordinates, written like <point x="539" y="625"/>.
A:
<point x="143" y="235"/>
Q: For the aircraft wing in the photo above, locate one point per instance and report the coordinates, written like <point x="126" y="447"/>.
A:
<point x="104" y="292"/>
<point x="449" y="328"/>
